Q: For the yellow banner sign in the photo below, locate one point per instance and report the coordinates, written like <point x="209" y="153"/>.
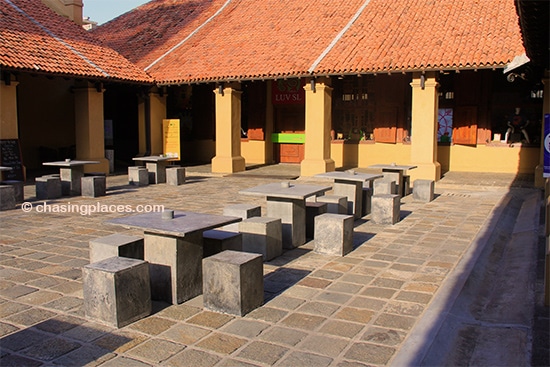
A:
<point x="171" y="138"/>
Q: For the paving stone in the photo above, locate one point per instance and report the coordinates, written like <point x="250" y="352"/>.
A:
<point x="68" y="287"/>
<point x="303" y="321"/>
<point x="378" y="292"/>
<point x="263" y="352"/>
<point x="395" y="321"/>
<point x="17" y="291"/>
<point x="327" y="274"/>
<point x="355" y="315"/>
<point x="417" y="297"/>
<point x="11" y="360"/>
<point x="120" y="341"/>
<point x="39" y="297"/>
<point x="21" y="339"/>
<point x="193" y="357"/>
<point x="298" y="291"/>
<point x="341" y="328"/>
<point x="185" y="334"/>
<point x="30" y="317"/>
<point x="155" y="350"/>
<point x="314" y="282"/>
<point x="303" y="359"/>
<point x="324" y="345"/>
<point x="59" y="324"/>
<point x="125" y="362"/>
<point x="345" y="287"/>
<point x="370" y="353"/>
<point x="178" y="312"/>
<point x="210" y="319"/>
<point x="50" y="348"/>
<point x="368" y="303"/>
<point x="65" y="304"/>
<point x="268" y="314"/>
<point x="387" y="283"/>
<point x="387" y="337"/>
<point x="338" y="298"/>
<point x="87" y="332"/>
<point x="10" y="308"/>
<point x="44" y="282"/>
<point x="152" y="325"/>
<point x="280" y="335"/>
<point x="357" y="278"/>
<point x="6" y="329"/>
<point x="318" y="308"/>
<point x="246" y="328"/>
<point x="88" y="355"/>
<point x="287" y="303"/>
<point x="405" y="308"/>
<point x="221" y="343"/>
<point x="231" y="362"/>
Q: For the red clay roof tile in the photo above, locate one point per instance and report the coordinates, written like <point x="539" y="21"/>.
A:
<point x="184" y="41"/>
<point x="34" y="38"/>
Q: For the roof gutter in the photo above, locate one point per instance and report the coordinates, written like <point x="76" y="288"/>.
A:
<point x="189" y="36"/>
<point x="338" y="37"/>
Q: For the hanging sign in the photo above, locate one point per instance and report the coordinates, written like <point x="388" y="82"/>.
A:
<point x="171" y="138"/>
<point x="289" y="91"/>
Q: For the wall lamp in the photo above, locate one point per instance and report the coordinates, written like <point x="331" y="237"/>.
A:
<point x="422" y="81"/>
<point x="312" y="83"/>
<point x="220" y="89"/>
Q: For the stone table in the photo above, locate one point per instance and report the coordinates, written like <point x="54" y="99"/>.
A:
<point x="71" y="172"/>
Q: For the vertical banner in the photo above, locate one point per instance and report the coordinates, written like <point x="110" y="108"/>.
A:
<point x="546" y="172"/>
<point x="171" y="138"/>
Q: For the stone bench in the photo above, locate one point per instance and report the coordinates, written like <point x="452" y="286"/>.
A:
<point x="216" y="241"/>
<point x="423" y="190"/>
<point x="48" y="187"/>
<point x="7" y="197"/>
<point x="336" y="204"/>
<point x="175" y="175"/>
<point x="138" y="176"/>
<point x="367" y="200"/>
<point x="262" y="235"/>
<point x="233" y="282"/>
<point x="313" y="209"/>
<point x="333" y="234"/>
<point x="243" y="211"/>
<point x="386" y="208"/>
<point x="18" y="189"/>
<point x="93" y="186"/>
<point x="384" y="187"/>
<point x="117" y="291"/>
<point x="116" y="245"/>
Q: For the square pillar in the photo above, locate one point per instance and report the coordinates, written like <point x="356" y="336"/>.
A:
<point x="228" y="157"/>
<point x="318" y="124"/>
<point x="424" y="127"/>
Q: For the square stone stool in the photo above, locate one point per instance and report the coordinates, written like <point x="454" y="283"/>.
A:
<point x="233" y="282"/>
<point x="333" y="234"/>
<point x="423" y="190"/>
<point x="385" y="208"/>
<point x="243" y="211"/>
<point x="262" y="235"/>
<point x="138" y="176"/>
<point x="116" y="245"/>
<point x="7" y="197"/>
<point x="93" y="186"/>
<point x="216" y="241"/>
<point x="117" y="291"/>
<point x="367" y="200"/>
<point x="397" y="177"/>
<point x="336" y="204"/>
<point x="18" y="188"/>
<point x="175" y="175"/>
<point x="384" y="187"/>
<point x="48" y="187"/>
<point x="313" y="209"/>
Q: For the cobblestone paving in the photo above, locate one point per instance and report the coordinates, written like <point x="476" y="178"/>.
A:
<point x="319" y="310"/>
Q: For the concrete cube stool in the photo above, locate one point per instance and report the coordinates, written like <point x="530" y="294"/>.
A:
<point x="18" y="188"/>
<point x="423" y="190"/>
<point x="335" y="204"/>
<point x="138" y="176"/>
<point x="333" y="234"/>
<point x="233" y="282"/>
<point x="397" y="178"/>
<point x="117" y="291"/>
<point x="243" y="211"/>
<point x="175" y="175"/>
<point x="216" y="241"/>
<point x="262" y="235"/>
<point x="48" y="187"/>
<point x="313" y="209"/>
<point x="116" y="245"/>
<point x="7" y="197"/>
<point x="367" y="200"/>
<point x="384" y="187"/>
<point x="93" y="186"/>
<point x="386" y="208"/>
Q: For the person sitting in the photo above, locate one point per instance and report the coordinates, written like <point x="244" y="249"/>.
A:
<point x="517" y="122"/>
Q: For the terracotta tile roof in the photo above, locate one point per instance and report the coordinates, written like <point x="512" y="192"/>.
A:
<point x="184" y="41"/>
<point x="34" y="38"/>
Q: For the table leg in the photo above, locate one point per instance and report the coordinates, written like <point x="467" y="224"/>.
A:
<point x="354" y="192"/>
<point x="157" y="172"/>
<point x="175" y="266"/>
<point x="70" y="180"/>
<point x="399" y="181"/>
<point x="293" y="217"/>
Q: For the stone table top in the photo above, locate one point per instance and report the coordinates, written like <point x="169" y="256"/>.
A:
<point x="349" y="176"/>
<point x="392" y="166"/>
<point x="69" y="163"/>
<point x="155" y="158"/>
<point x="183" y="223"/>
<point x="286" y="190"/>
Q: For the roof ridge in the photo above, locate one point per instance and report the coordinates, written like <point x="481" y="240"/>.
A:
<point x="57" y="38"/>
<point x="337" y="37"/>
<point x="189" y="35"/>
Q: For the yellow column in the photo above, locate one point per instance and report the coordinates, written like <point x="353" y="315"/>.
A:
<point x="228" y="157"/>
<point x="318" y="123"/>
<point x="424" y="127"/>
<point x="539" y="179"/>
<point x="158" y="113"/>
<point x="89" y="127"/>
<point x="8" y="109"/>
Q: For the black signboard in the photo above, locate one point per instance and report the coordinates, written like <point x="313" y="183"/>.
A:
<point x="10" y="156"/>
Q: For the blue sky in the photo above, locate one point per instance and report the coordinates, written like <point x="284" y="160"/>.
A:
<point x="102" y="11"/>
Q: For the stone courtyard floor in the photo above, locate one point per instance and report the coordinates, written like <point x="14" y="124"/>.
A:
<point x="408" y="294"/>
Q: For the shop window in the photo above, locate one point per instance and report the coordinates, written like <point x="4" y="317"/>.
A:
<point x="445" y="125"/>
